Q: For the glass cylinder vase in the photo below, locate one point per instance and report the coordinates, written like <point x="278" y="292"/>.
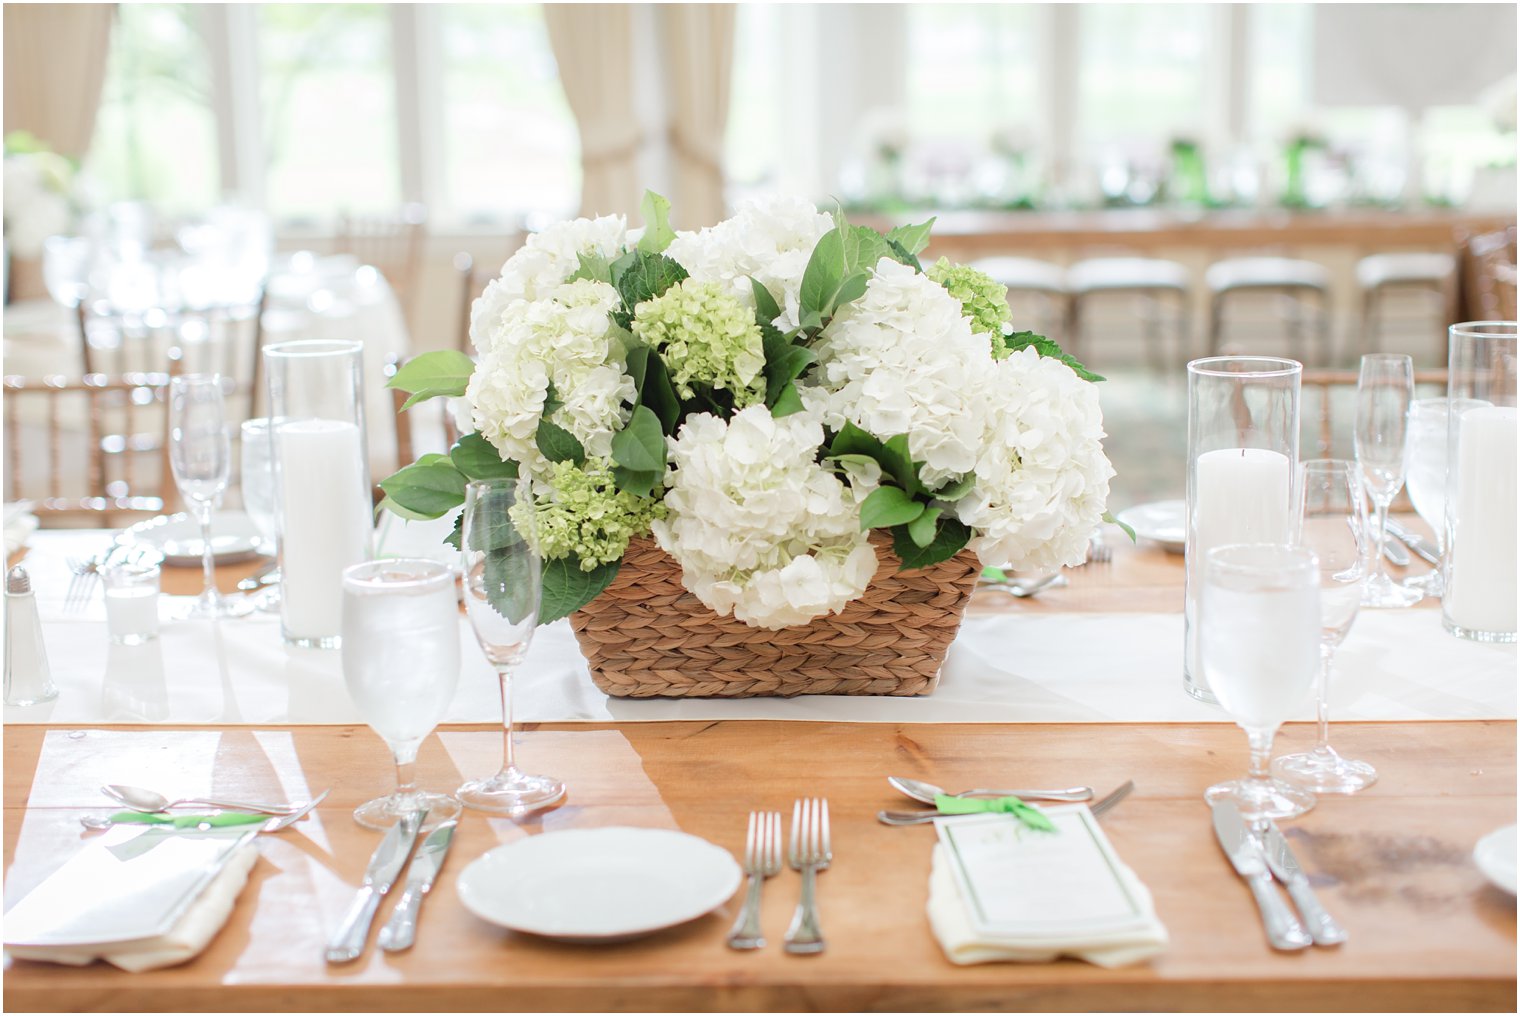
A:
<point x="1242" y="462"/>
<point x="1479" y="576"/>
<point x="322" y="488"/>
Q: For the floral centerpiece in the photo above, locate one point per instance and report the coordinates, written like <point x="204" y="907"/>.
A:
<point x="758" y="399"/>
<point x="40" y="201"/>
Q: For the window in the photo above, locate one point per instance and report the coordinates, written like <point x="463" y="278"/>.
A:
<point x="972" y="70"/>
<point x="755" y="119"/>
<point x="329" y="107"/>
<point x="1141" y="76"/>
<point x="510" y="141"/>
<point x="155" y="132"/>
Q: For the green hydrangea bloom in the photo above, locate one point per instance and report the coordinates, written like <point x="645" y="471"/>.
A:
<point x="705" y="335"/>
<point x="984" y="300"/>
<point x="580" y="511"/>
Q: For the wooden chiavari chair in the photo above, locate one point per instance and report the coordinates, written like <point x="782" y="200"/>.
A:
<point x="1487" y="276"/>
<point x="391" y="243"/>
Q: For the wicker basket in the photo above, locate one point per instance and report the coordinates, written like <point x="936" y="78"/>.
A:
<point x="646" y="636"/>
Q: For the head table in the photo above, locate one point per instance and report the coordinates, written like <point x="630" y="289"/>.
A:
<point x="1081" y="685"/>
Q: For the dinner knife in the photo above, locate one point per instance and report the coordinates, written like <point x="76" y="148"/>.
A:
<point x="401" y="930"/>
<point x="1395" y="553"/>
<point x="1415" y="542"/>
<point x="388" y="860"/>
<point x="1323" y="928"/>
<point x="1283" y="930"/>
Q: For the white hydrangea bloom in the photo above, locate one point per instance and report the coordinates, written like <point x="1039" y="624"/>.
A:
<point x="1042" y="477"/>
<point x="561" y="337"/>
<point x="545" y="260"/>
<point x="903" y="360"/>
<point x="770" y="239"/>
<point x="760" y="529"/>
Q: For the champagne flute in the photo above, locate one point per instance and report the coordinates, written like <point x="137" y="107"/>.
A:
<point x="401" y="664"/>
<point x="1384" y="389"/>
<point x="200" y="455"/>
<point x="501" y="591"/>
<point x="1332" y="524"/>
<point x="257" y="459"/>
<point x="1428" y="455"/>
<point x="1258" y="641"/>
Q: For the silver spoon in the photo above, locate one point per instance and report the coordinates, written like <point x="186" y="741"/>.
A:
<point x="1023" y="589"/>
<point x="274" y="825"/>
<point x="925" y="793"/>
<point x="909" y="818"/>
<point x="138" y="799"/>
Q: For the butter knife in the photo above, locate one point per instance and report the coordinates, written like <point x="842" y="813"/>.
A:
<point x="401" y="930"/>
<point x="1323" y="928"/>
<point x="1245" y="854"/>
<point x="1418" y="544"/>
<point x="389" y="858"/>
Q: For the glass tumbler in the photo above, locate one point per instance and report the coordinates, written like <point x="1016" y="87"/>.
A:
<point x="131" y="594"/>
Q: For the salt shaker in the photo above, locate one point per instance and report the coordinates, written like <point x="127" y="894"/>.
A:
<point x="28" y="680"/>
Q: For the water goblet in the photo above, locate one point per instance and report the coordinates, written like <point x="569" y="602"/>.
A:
<point x="501" y="594"/>
<point x="401" y="664"/>
<point x="1384" y="389"/>
<point x="1259" y="624"/>
<point x="200" y="455"/>
<point x="1332" y="524"/>
<point x="257" y="458"/>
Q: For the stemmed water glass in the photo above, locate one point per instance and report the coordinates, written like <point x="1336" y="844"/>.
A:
<point x="200" y="454"/>
<point x="1384" y="389"/>
<point x="257" y="457"/>
<point x="401" y="664"/>
<point x="501" y="593"/>
<point x="1332" y="524"/>
<point x="1258" y="641"/>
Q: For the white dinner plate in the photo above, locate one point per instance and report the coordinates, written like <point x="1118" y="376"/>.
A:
<point x="1163" y="522"/>
<point x="599" y="885"/>
<point x="234" y="538"/>
<point x="1495" y="857"/>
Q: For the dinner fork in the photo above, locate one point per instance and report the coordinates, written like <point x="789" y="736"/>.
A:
<point x="1098" y="550"/>
<point x="810" y="853"/>
<point x="762" y="859"/>
<point x="85" y="570"/>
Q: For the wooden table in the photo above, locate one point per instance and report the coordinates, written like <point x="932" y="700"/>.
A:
<point x="1394" y="863"/>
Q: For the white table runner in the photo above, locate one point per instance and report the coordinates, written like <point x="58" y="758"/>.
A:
<point x="1032" y="668"/>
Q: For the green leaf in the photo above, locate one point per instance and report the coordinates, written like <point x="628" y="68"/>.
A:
<point x="888" y="506"/>
<point x="635" y="481"/>
<point x="640" y="446"/>
<point x="456" y="536"/>
<point x="444" y="372"/>
<point x="766" y="308"/>
<point x="787" y="403"/>
<point x="903" y="256"/>
<point x="913" y="238"/>
<point x="956" y="489"/>
<point x="507" y="575"/>
<point x="474" y="456"/>
<point x="567" y="589"/>
<point x="1045" y="347"/>
<point x="657" y="232"/>
<point x="558" y="444"/>
<point x="851" y="440"/>
<point x="824" y="272"/>
<point x="388" y="504"/>
<point x="948" y="541"/>
<point x="652" y="381"/>
<point x="428" y="488"/>
<point x="922" y="530"/>
<point x="788" y="366"/>
<point x="859" y="460"/>
<point x="1129" y="530"/>
<point x="594" y="265"/>
<point x="831" y="277"/>
<point x="641" y="275"/>
<point x="899" y="463"/>
<point x="851" y="289"/>
<point x="552" y="401"/>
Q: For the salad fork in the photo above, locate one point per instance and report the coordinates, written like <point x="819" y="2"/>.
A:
<point x="810" y="853"/>
<point x="762" y="860"/>
<point x="85" y="571"/>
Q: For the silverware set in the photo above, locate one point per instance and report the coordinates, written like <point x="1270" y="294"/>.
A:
<point x="809" y="852"/>
<point x="385" y="866"/>
<point x="925" y="793"/>
<point x="1262" y="857"/>
<point x="147" y="802"/>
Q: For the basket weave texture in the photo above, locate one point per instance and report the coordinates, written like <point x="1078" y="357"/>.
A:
<point x="646" y="636"/>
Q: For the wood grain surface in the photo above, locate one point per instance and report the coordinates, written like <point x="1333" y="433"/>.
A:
<point x="1394" y="864"/>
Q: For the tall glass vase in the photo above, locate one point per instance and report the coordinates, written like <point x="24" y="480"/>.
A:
<point x="1479" y="575"/>
<point x="322" y="487"/>
<point x="1242" y="463"/>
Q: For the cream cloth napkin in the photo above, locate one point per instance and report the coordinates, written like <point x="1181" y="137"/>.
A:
<point x="189" y="938"/>
<point x="952" y="926"/>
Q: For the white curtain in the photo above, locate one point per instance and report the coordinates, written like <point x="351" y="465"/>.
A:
<point x="593" y="46"/>
<point x="55" y="65"/>
<point x="698" y="70"/>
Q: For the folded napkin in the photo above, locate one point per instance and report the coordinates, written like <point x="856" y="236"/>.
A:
<point x="189" y="938"/>
<point x="953" y="925"/>
<point x="20" y="523"/>
<point x="219" y="818"/>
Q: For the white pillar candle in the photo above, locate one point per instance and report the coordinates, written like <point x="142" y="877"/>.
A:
<point x="1480" y="594"/>
<point x="324" y="523"/>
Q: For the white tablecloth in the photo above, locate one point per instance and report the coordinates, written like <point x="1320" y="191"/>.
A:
<point x="1031" y="668"/>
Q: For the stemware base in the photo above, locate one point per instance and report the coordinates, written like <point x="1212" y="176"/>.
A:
<point x="384" y="812"/>
<point x="1382" y="591"/>
<point x="207" y="608"/>
<point x="511" y="792"/>
<point x="1323" y="771"/>
<point x="1261" y="799"/>
<point x="1428" y="584"/>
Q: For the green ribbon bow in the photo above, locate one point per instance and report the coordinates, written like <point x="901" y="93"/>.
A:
<point x="222" y="818"/>
<point x="1028" y="814"/>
